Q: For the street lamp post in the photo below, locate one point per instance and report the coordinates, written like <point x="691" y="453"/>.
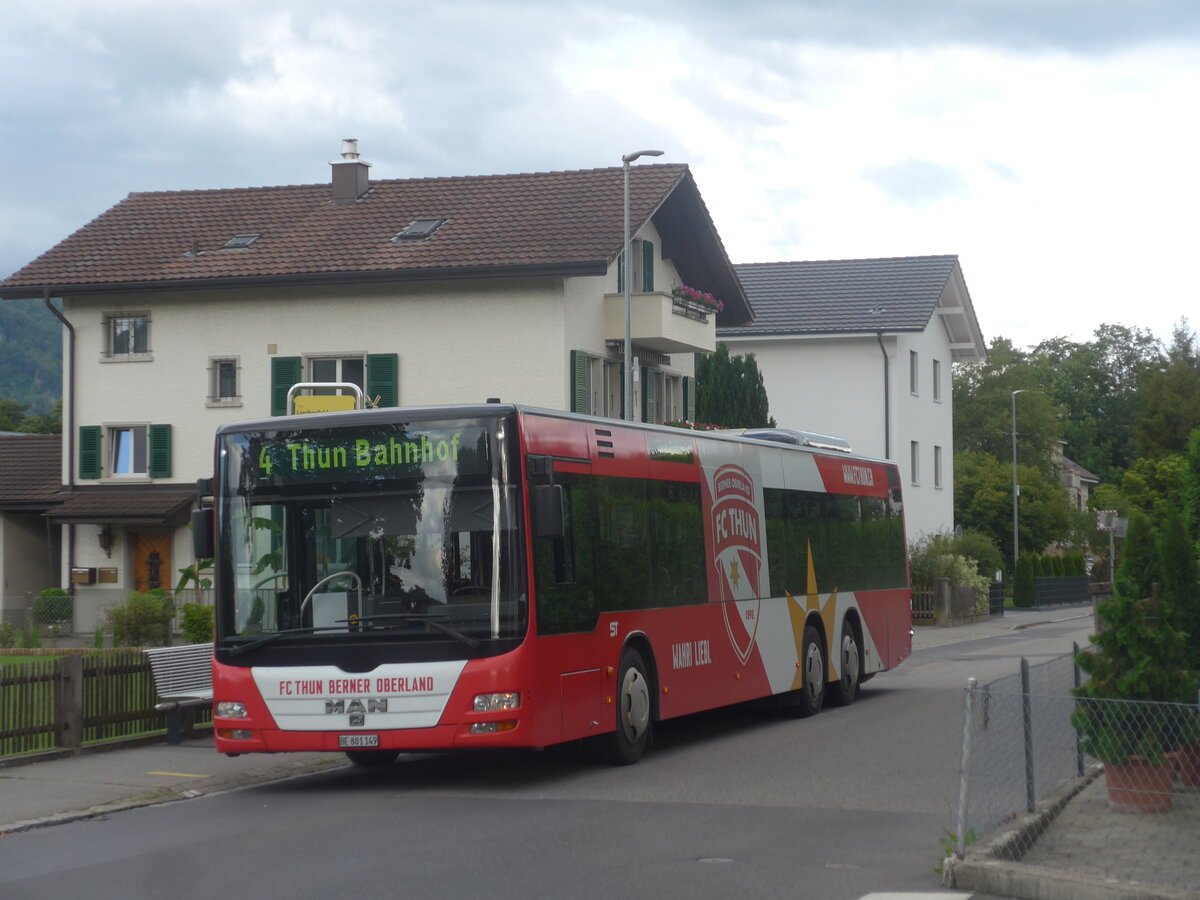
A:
<point x="625" y="161"/>
<point x="1016" y="488"/>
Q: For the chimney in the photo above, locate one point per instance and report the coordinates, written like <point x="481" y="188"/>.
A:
<point x="349" y="174"/>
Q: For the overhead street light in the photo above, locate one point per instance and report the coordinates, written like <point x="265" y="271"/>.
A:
<point x="1016" y="488"/>
<point x="625" y="161"/>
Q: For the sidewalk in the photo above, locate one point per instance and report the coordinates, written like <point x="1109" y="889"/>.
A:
<point x="51" y="791"/>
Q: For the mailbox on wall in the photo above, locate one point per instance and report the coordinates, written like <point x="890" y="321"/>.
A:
<point x="83" y="576"/>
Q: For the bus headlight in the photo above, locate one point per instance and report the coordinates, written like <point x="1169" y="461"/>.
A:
<point x="497" y="702"/>
<point x="231" y="709"/>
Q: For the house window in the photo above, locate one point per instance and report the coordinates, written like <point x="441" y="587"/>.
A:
<point x="223" y="382"/>
<point x="913" y="362"/>
<point x="937" y="467"/>
<point x="127" y="451"/>
<point x="127" y="335"/>
<point x="937" y="381"/>
<point x="336" y="368"/>
<point x="914" y="451"/>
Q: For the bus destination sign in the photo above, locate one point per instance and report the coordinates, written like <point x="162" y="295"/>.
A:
<point x="356" y="454"/>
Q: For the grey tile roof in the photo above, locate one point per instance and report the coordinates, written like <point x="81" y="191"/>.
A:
<point x="842" y="296"/>
<point x="30" y="473"/>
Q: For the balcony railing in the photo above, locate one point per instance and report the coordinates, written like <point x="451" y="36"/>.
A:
<point x="661" y="323"/>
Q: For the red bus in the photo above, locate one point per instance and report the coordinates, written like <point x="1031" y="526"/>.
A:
<point x="481" y="576"/>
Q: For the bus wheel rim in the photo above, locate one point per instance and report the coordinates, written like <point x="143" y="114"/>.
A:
<point x="814" y="672"/>
<point x="851" y="664"/>
<point x="635" y="709"/>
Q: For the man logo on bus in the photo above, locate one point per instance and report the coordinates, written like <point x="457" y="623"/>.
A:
<point x="737" y="550"/>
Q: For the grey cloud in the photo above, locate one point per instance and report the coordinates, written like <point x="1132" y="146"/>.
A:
<point x="917" y="182"/>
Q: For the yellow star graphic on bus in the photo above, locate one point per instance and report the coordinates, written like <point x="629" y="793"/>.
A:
<point x="734" y="575"/>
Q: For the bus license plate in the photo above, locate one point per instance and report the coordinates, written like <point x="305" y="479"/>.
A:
<point x="358" y="740"/>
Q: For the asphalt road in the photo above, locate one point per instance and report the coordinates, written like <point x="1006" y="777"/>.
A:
<point x="732" y="803"/>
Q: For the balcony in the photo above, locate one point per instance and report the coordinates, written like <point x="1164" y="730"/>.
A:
<point x="661" y="323"/>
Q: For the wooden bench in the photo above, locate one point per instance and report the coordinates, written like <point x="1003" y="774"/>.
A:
<point x="183" y="680"/>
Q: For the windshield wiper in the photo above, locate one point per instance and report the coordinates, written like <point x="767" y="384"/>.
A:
<point x="419" y="617"/>
<point x="274" y="635"/>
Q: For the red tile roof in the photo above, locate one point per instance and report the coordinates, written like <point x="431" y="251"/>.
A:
<point x="547" y="223"/>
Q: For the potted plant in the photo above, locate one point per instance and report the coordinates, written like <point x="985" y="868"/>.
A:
<point x="1131" y="713"/>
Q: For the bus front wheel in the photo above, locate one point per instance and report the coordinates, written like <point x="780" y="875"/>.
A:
<point x="633" y="702"/>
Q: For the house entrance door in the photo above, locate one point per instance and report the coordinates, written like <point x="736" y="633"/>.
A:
<point x="152" y="561"/>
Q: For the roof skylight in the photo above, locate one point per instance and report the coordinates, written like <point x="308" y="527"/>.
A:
<point x="419" y="229"/>
<point x="238" y="241"/>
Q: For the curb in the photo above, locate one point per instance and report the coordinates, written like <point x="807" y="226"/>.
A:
<point x="162" y="795"/>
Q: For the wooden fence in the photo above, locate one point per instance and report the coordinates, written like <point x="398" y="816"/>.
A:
<point x="78" y="699"/>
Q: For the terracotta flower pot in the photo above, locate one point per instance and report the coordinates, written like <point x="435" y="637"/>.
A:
<point x="1188" y="762"/>
<point x="1137" y="785"/>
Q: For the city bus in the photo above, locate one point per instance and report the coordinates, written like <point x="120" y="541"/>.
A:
<point x="493" y="575"/>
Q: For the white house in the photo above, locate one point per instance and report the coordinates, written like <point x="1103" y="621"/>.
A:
<point x="862" y="349"/>
<point x="185" y="310"/>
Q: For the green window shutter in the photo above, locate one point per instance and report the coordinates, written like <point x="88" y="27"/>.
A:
<point x="383" y="378"/>
<point x="285" y="371"/>
<point x="647" y="266"/>
<point x="621" y="272"/>
<point x="649" y="407"/>
<point x="579" y="382"/>
<point x="91" y="440"/>
<point x="689" y="399"/>
<point x="160" y="451"/>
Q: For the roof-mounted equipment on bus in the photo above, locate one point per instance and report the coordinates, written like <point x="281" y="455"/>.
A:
<point x="797" y="438"/>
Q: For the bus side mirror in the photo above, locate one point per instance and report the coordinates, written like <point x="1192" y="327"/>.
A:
<point x="202" y="533"/>
<point x="548" y="511"/>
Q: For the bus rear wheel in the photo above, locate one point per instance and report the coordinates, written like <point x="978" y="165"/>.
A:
<point x="633" y="701"/>
<point x="811" y="696"/>
<point x="372" y="759"/>
<point x="843" y="691"/>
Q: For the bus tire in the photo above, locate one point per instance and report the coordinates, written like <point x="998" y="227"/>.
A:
<point x="843" y="691"/>
<point x="372" y="759"/>
<point x="633" y="702"/>
<point x="811" y="696"/>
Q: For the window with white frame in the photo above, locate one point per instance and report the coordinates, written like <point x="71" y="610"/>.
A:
<point x="351" y="369"/>
<point x="914" y="451"/>
<point x="937" y="467"/>
<point x="223" y="379"/>
<point x="937" y="381"/>
<point x="128" y="452"/>
<point x="913" y="362"/>
<point x="127" y="335"/>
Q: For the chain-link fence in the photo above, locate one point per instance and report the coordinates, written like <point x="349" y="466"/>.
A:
<point x="1030" y="746"/>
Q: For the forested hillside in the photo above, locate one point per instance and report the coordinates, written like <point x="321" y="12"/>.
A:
<point x="30" y="355"/>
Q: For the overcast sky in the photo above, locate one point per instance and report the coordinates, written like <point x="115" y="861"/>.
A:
<point x="1050" y="144"/>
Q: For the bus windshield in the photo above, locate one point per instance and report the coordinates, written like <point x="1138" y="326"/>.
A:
<point x="375" y="532"/>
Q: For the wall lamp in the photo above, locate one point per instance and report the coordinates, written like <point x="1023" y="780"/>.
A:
<point x="105" y="537"/>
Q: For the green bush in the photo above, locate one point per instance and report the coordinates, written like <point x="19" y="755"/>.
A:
<point x="52" y="607"/>
<point x="981" y="548"/>
<point x="196" y="623"/>
<point x="143" y="620"/>
<point x="1023" y="594"/>
<point x="8" y="635"/>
